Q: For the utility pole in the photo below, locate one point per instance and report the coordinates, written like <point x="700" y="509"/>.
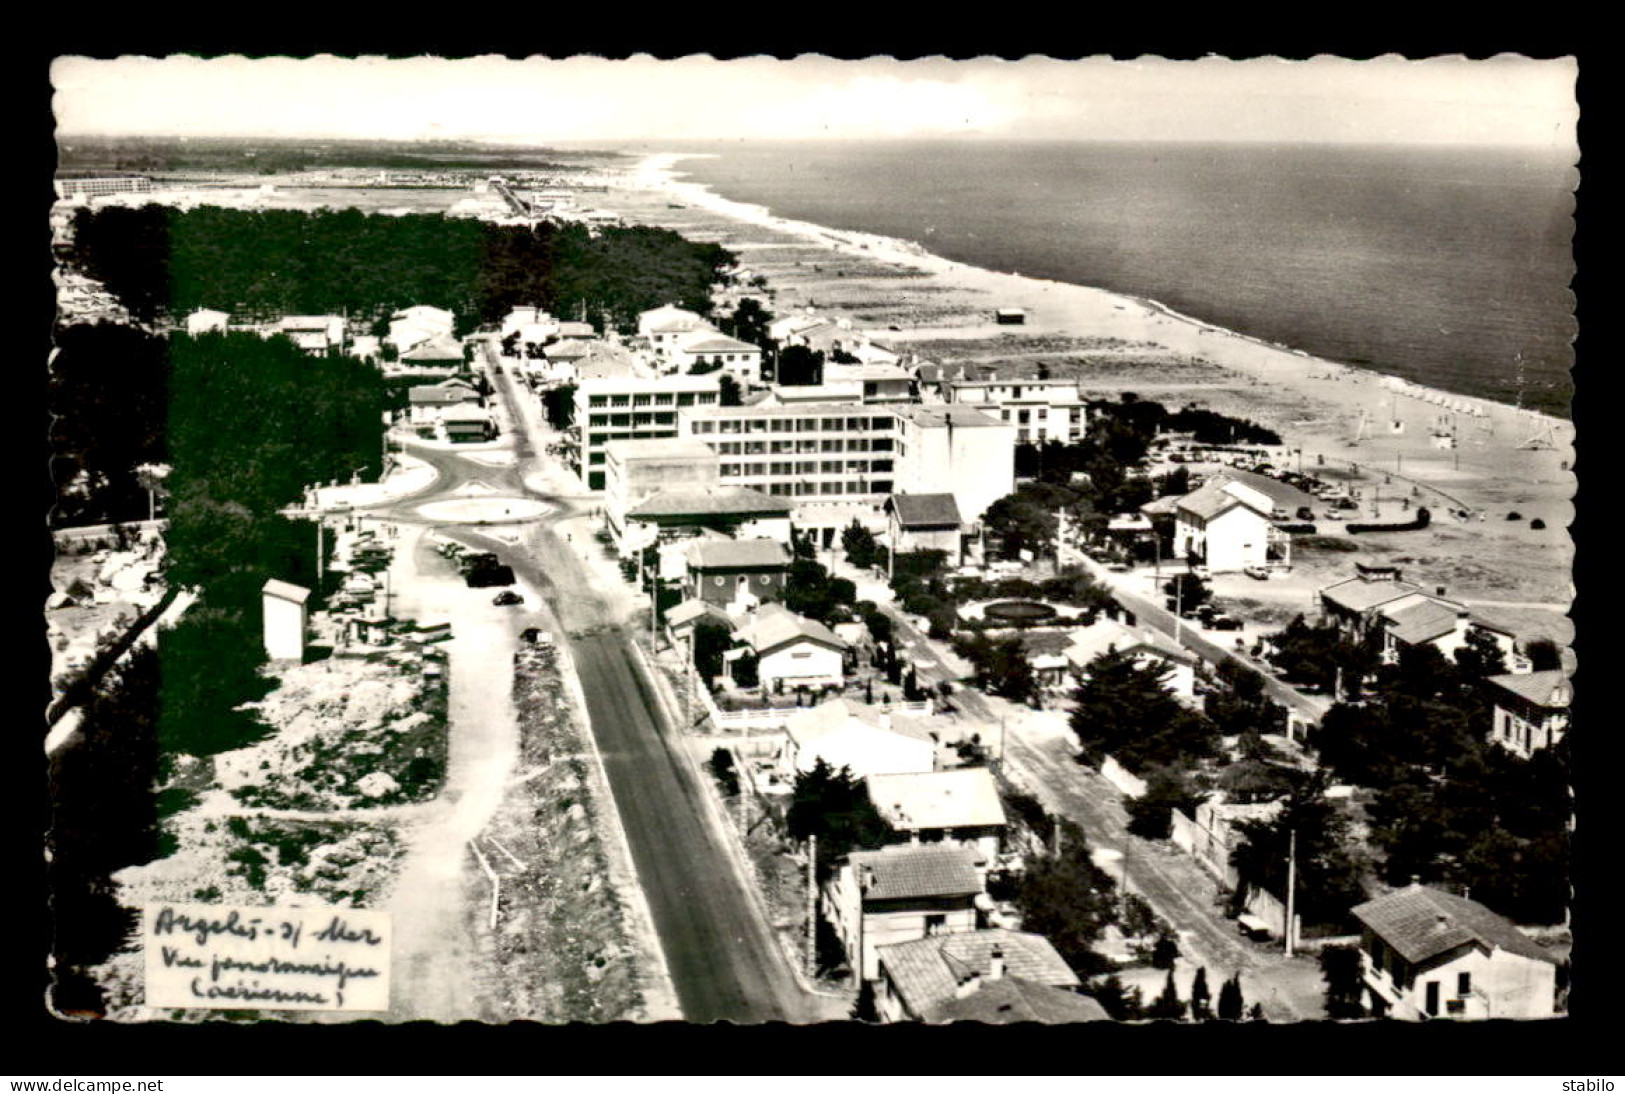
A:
<point x="812" y="906"/>
<point x="321" y="567"/>
<point x="1291" y="886"/>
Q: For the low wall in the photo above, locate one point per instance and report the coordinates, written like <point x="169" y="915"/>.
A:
<point x="1270" y="909"/>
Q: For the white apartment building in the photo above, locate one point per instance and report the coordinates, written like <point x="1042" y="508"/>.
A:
<point x="631" y="408"/>
<point x="1040" y="410"/>
<point x="829" y="456"/>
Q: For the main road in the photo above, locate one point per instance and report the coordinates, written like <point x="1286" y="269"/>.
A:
<point x="724" y="961"/>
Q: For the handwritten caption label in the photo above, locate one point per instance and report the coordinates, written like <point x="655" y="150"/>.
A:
<point x="247" y="958"/>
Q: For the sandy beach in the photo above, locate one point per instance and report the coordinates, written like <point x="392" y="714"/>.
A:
<point x="1343" y="419"/>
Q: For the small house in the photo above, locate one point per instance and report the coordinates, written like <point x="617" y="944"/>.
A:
<point x="993" y="976"/>
<point x="1531" y="710"/>
<point x="791" y="650"/>
<point x="720" y="570"/>
<point x="861" y="738"/>
<point x="1431" y="954"/>
<point x="925" y="522"/>
<point x="953" y="807"/>
<point x="900" y="894"/>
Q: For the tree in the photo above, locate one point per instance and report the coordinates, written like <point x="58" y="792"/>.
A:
<point x="1480" y="655"/>
<point x="1067" y="899"/>
<point x="1168" y="1005"/>
<point x="1544" y="655"/>
<point x="728" y="392"/>
<point x="1165" y="952"/>
<point x="835" y="807"/>
<point x="1345" y="984"/>
<point x="1010" y="674"/>
<point x="1125" y="709"/>
<point x="1123" y="1004"/>
<point x="1231" y="1004"/>
<point x="1327" y="874"/>
<point x="1188" y="591"/>
<point x="859" y="544"/>
<point x="799" y="366"/>
<point x="749" y="323"/>
<point x="1201" y="997"/>
<point x="711" y="640"/>
<point x="1167" y="788"/>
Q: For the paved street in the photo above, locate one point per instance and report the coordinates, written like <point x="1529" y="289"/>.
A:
<point x="724" y="961"/>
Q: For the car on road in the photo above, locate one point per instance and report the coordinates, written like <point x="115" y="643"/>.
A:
<point x="1118" y="567"/>
<point x="1224" y="623"/>
<point x="1257" y="573"/>
<point x="1253" y="928"/>
<point x="507" y="598"/>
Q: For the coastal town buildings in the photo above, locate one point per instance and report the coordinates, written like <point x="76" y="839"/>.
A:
<point x="791" y="650"/>
<point x="312" y="333"/>
<point x="832" y="452"/>
<point x="721" y="571"/>
<point x="1425" y="954"/>
<point x="684" y="512"/>
<point x="1226" y="526"/>
<point x="994" y="976"/>
<point x="630" y="408"/>
<point x="1531" y="710"/>
<point x="924" y="522"/>
<point x="1377" y="605"/>
<point x="860" y="738"/>
<point x="900" y="894"/>
<point x="959" y="807"/>
<point x="1040" y="410"/>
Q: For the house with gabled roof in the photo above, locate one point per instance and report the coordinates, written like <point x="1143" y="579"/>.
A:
<point x="900" y="894"/>
<point x="440" y="352"/>
<point x="702" y="348"/>
<point x="995" y="976"/>
<point x="791" y="650"/>
<point x="720" y="570"/>
<point x="1376" y="605"/>
<point x="1228" y="526"/>
<point x="925" y="522"/>
<point x="1431" y="954"/>
<point x="1531" y="710"/>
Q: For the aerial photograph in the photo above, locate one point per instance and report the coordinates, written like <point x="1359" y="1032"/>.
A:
<point x="584" y="540"/>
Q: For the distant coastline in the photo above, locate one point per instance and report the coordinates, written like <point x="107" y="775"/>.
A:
<point x="658" y="171"/>
<point x="1353" y="277"/>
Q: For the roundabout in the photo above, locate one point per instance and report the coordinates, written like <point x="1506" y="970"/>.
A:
<point x="483" y="510"/>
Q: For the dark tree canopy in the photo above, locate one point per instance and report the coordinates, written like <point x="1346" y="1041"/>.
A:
<point x="163" y="263"/>
<point x="835" y="807"/>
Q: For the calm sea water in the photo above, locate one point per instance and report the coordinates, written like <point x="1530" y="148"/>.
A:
<point x="1445" y="266"/>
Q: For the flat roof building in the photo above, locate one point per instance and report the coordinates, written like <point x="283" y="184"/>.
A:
<point x="630" y="409"/>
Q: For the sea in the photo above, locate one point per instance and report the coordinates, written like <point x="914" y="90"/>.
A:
<point x="1448" y="266"/>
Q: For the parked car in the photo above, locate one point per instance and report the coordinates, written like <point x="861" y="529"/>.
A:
<point x="507" y="598"/>
<point x="1253" y="928"/>
<point x="1257" y="573"/>
<point x="1224" y="623"/>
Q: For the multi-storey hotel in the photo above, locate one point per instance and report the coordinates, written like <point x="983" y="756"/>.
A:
<point x="1040" y="410"/>
<point x="630" y="408"/>
<point x="841" y="460"/>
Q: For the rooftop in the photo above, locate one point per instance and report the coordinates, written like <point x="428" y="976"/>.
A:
<point x="1422" y="621"/>
<point x="1014" y="999"/>
<point x="773" y="625"/>
<point x="656" y="448"/>
<point x="444" y="348"/>
<point x="1282" y="495"/>
<point x="1359" y="594"/>
<point x="1214" y="497"/>
<point x="726" y="554"/>
<point x="951" y="414"/>
<point x="912" y="871"/>
<point x="1419" y="923"/>
<point x="928" y="972"/>
<point x="966" y="798"/>
<point x="708" y="501"/>
<point x="1544" y="689"/>
<point x="925" y="510"/>
<point x="286" y="591"/>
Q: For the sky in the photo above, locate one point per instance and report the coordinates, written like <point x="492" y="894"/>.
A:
<point x="1502" y="100"/>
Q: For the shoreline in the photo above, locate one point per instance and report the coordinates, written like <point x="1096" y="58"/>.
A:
<point x="656" y="172"/>
<point x="1504" y="465"/>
